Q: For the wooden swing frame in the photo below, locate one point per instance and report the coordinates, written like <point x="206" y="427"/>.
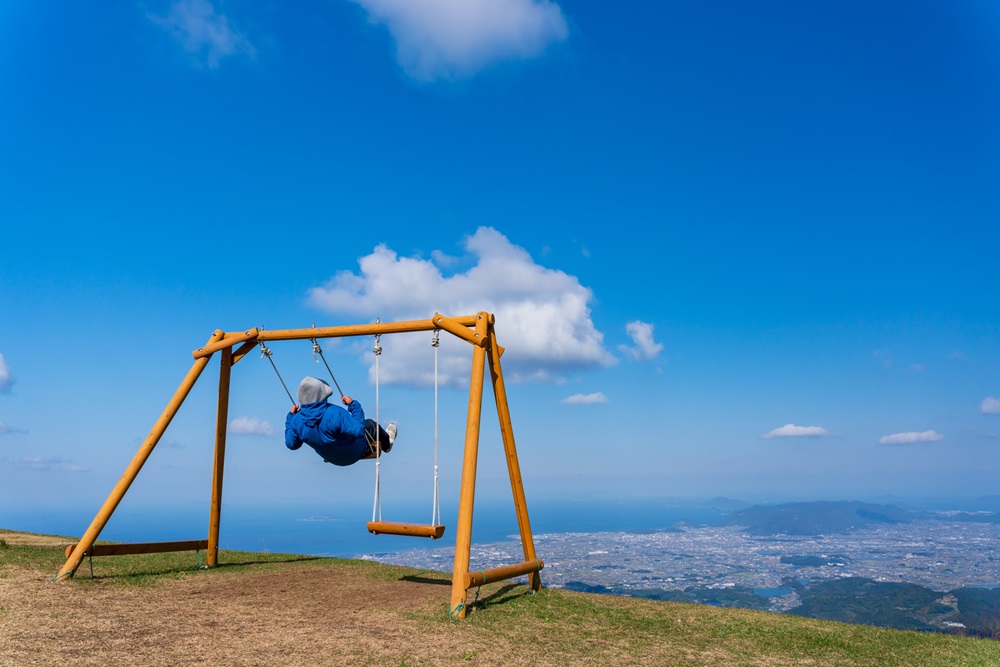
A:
<point x="475" y="329"/>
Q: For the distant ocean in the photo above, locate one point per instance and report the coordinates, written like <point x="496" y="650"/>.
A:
<point x="293" y="529"/>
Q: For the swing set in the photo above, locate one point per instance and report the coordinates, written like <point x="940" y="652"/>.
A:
<point x="475" y="329"/>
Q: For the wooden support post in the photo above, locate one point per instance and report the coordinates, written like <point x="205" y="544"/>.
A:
<point x="510" y="450"/>
<point x="104" y="514"/>
<point x="221" y="426"/>
<point x="463" y="532"/>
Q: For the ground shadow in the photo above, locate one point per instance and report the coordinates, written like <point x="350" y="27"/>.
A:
<point x="194" y="568"/>
<point x="420" y="579"/>
<point x="502" y="595"/>
<point x="506" y="594"/>
<point x="289" y="559"/>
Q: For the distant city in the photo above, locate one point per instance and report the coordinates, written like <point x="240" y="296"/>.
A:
<point x="935" y="571"/>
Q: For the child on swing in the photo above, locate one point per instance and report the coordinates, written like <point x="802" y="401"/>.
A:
<point x="341" y="437"/>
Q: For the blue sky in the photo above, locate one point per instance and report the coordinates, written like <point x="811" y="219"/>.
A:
<point x="733" y="248"/>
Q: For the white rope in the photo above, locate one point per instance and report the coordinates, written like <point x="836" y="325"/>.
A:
<point x="377" y="507"/>
<point x="377" y="504"/>
<point x="436" y="510"/>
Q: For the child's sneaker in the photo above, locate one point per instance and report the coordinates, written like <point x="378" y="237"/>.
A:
<point x="392" y="429"/>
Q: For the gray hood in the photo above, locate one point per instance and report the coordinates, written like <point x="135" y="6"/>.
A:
<point x="312" y="390"/>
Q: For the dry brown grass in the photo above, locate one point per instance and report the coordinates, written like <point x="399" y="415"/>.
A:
<point x="301" y="615"/>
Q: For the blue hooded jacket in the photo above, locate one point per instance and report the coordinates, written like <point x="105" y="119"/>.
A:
<point x="336" y="434"/>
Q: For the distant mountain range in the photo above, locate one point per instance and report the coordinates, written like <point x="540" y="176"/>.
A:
<point x="726" y="504"/>
<point x="816" y="518"/>
<point x="826" y="517"/>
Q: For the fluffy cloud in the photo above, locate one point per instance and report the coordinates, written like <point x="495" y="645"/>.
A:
<point x="586" y="399"/>
<point x="202" y="32"/>
<point x="449" y="39"/>
<point x="793" y="431"/>
<point x="7" y="429"/>
<point x="542" y="315"/>
<point x="883" y="357"/>
<point x="6" y="379"/>
<point x="909" y="437"/>
<point x="250" y="426"/>
<point x="641" y="334"/>
<point x="48" y="464"/>
<point x="990" y="406"/>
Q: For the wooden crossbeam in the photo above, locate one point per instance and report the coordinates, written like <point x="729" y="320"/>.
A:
<point x="481" y="577"/>
<point x="140" y="548"/>
<point x="243" y="349"/>
<point x="228" y="340"/>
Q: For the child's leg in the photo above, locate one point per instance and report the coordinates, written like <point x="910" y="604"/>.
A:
<point x="383" y="437"/>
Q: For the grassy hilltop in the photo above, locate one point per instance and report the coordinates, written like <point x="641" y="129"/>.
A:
<point x="279" y="609"/>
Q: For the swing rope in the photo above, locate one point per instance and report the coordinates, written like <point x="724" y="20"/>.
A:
<point x="436" y="510"/>
<point x="318" y="349"/>
<point x="377" y="507"/>
<point x="377" y="526"/>
<point x="265" y="351"/>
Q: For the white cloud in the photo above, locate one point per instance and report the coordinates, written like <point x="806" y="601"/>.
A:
<point x="990" y="406"/>
<point x="49" y="463"/>
<point x="202" y="32"/>
<point x="909" y="437"/>
<point x="542" y="315"/>
<point x="450" y="39"/>
<point x="165" y="442"/>
<point x="250" y="426"/>
<point x="793" y="431"/>
<point x="6" y="379"/>
<point x="884" y="357"/>
<point x="586" y="399"/>
<point x="641" y="334"/>
<point x="443" y="259"/>
<point x="7" y="429"/>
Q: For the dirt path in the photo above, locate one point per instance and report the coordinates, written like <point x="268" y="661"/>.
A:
<point x="253" y="619"/>
<point x="299" y="614"/>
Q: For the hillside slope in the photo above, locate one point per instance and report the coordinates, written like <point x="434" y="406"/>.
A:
<point x="266" y="609"/>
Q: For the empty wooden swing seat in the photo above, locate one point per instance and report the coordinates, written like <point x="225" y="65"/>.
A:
<point x="408" y="529"/>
